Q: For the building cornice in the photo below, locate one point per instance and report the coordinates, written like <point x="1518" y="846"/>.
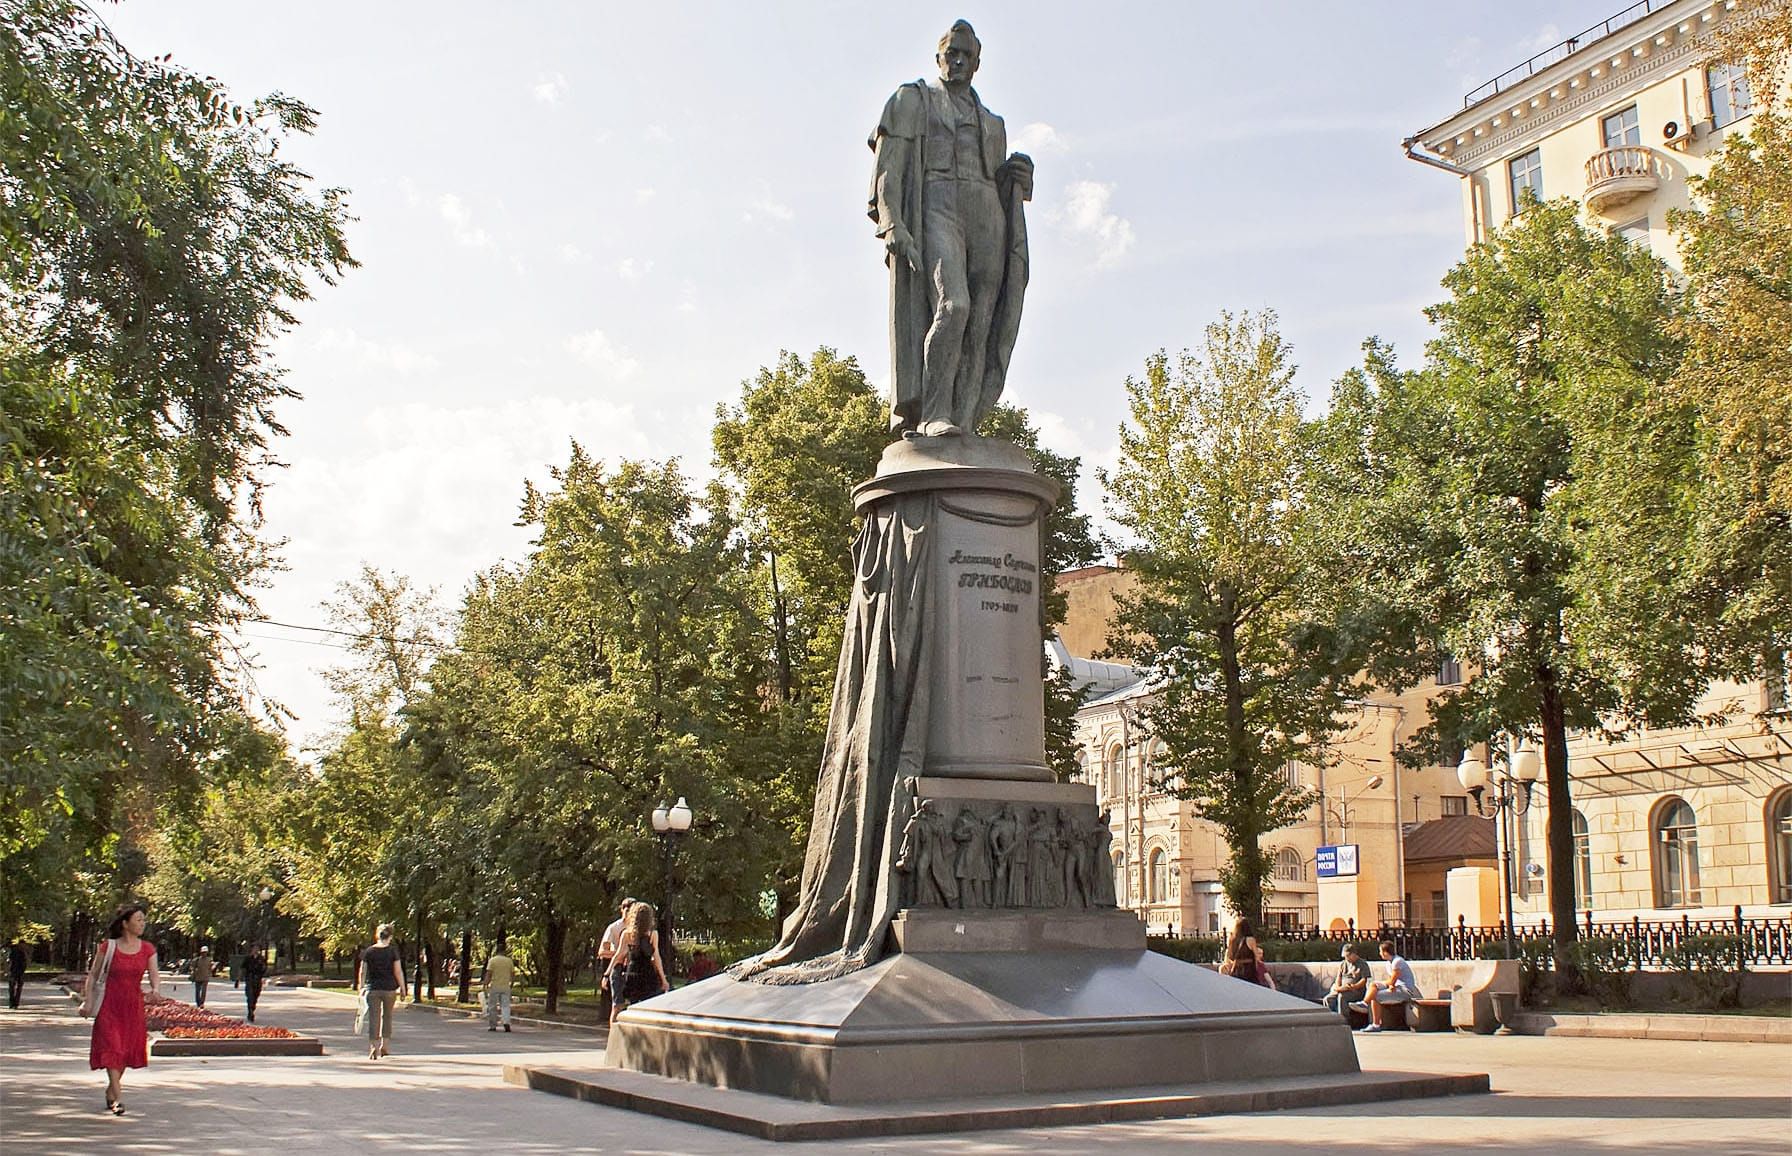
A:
<point x="1659" y="45"/>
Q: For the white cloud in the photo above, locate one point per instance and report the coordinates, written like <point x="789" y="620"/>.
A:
<point x="642" y="196"/>
<point x="656" y="132"/>
<point x="630" y="269"/>
<point x="1088" y="214"/>
<point x="767" y="207"/>
<point x="345" y="345"/>
<point x="596" y="350"/>
<point x="687" y="298"/>
<point x="460" y="222"/>
<point x="550" y="88"/>
<point x="407" y="188"/>
<point x="571" y="254"/>
<point x="1038" y="138"/>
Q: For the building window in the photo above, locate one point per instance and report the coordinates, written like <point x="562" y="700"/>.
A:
<point x="1636" y="233"/>
<point x="1449" y="671"/>
<point x="1082" y="766"/>
<point x="1160" y="876"/>
<point x="1727" y="87"/>
<point x="1779" y="844"/>
<point x="1779" y="670"/>
<point x="1440" y="909"/>
<point x="1527" y="173"/>
<point x="1454" y="805"/>
<point x="1676" y="855"/>
<point x="1621" y="129"/>
<point x="1291" y="776"/>
<point x="1583" y="863"/>
<point x="1121" y="889"/>
<point x="1289" y="867"/>
<point x="1112" y="771"/>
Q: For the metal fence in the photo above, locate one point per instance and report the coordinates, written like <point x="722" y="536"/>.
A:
<point x="1651" y="943"/>
<point x="1562" y="51"/>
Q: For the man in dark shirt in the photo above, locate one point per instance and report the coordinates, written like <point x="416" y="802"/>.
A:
<point x="15" y="974"/>
<point x="255" y="969"/>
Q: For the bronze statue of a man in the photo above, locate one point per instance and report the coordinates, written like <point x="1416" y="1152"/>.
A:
<point x="947" y="201"/>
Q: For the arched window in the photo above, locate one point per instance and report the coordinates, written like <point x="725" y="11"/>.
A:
<point x="1779" y="846"/>
<point x="1583" y="863"/>
<point x="1082" y="765"/>
<point x="1289" y="866"/>
<point x="1154" y="766"/>
<point x="1113" y="771"/>
<point x="1122" y="891"/>
<point x="1676" y="855"/>
<point x="1160" y="875"/>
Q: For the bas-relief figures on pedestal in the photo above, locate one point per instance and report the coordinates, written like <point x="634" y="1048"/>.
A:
<point x="1057" y="860"/>
<point x="947" y="202"/>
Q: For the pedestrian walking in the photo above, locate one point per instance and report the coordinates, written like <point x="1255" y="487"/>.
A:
<point x="255" y="970"/>
<point x="636" y="973"/>
<point x="114" y="998"/>
<point x="201" y="973"/>
<point x="381" y="981"/>
<point x="606" y="954"/>
<point x="15" y="974"/>
<point x="500" y="973"/>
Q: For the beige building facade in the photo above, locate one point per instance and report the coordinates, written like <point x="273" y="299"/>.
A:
<point x="1696" y="821"/>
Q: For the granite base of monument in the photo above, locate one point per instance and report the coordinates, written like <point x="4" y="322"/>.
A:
<point x="984" y="1004"/>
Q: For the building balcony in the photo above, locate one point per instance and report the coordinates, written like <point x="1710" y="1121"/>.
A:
<point x="1615" y="177"/>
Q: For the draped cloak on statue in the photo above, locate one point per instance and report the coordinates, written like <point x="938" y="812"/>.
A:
<point x="877" y="739"/>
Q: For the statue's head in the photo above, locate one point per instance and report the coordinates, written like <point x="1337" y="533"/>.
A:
<point x="959" y="53"/>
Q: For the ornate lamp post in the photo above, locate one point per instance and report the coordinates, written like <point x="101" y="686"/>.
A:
<point x="1511" y="795"/>
<point x="670" y="824"/>
<point x="1342" y="809"/>
<point x="267" y="918"/>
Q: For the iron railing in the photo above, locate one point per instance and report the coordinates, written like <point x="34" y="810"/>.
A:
<point x="1651" y="943"/>
<point x="1562" y="51"/>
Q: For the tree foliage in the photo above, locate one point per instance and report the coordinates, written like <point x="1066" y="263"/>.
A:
<point x="1521" y="501"/>
<point x="1227" y="618"/>
<point x="152" y="243"/>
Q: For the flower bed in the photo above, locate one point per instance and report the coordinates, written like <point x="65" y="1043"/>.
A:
<point x="237" y="1032"/>
<point x="172" y="1013"/>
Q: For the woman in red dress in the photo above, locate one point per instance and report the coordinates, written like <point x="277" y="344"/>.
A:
<point x="120" y="1038"/>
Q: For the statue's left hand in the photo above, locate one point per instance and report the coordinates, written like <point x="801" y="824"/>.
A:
<point x="1019" y="169"/>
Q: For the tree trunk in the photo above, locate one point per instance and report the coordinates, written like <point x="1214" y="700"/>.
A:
<point x="465" y="995"/>
<point x="556" y="929"/>
<point x="1247" y="853"/>
<point x="417" y="966"/>
<point x="1560" y="834"/>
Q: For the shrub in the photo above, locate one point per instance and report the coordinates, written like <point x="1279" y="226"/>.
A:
<point x="1312" y="950"/>
<point x="1709" y="973"/>
<point x="1189" y="948"/>
<point x="1608" y="966"/>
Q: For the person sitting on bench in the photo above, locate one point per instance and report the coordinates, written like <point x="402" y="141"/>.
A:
<point x="1353" y="979"/>
<point x="1402" y="987"/>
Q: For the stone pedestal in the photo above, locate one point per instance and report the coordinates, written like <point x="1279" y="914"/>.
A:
<point x="987" y="711"/>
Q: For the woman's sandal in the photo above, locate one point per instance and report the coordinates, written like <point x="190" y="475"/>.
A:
<point x="118" y="1107"/>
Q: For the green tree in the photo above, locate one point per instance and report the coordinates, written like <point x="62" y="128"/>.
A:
<point x="1227" y="616"/>
<point x="1736" y="247"/>
<point x="152" y="242"/>
<point x="1520" y="502"/>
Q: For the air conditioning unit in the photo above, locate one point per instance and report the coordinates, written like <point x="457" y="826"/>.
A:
<point x="1677" y="134"/>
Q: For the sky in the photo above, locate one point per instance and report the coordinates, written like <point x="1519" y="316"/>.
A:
<point x="594" y="222"/>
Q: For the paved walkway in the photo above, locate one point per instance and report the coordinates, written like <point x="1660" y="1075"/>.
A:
<point x="442" y="1093"/>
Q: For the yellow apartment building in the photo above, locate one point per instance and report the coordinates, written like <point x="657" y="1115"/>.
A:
<point x="1694" y="821"/>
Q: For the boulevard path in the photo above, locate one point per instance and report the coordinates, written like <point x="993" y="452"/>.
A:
<point x="442" y="1092"/>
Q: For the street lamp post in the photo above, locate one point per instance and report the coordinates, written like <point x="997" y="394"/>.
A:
<point x="670" y="824"/>
<point x="267" y="918"/>
<point x="1511" y="796"/>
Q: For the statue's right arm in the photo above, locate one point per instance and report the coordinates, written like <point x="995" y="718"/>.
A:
<point x="892" y="162"/>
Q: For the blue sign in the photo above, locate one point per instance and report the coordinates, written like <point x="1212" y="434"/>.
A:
<point x="1336" y="861"/>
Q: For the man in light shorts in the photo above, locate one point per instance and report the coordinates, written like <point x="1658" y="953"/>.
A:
<point x="1402" y="987"/>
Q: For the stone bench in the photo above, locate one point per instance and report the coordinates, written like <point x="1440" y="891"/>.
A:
<point x="1466" y="985"/>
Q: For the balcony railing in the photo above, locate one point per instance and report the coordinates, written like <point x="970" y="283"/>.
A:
<point x="1619" y="175"/>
